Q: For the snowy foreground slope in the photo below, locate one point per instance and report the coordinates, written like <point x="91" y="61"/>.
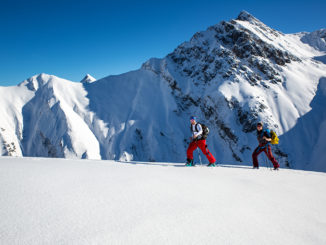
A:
<point x="230" y="76"/>
<point x="65" y="201"/>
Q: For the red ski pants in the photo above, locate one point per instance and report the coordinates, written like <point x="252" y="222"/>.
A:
<point x="268" y="152"/>
<point x="202" y="145"/>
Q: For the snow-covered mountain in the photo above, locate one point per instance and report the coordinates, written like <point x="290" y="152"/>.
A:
<point x="230" y="76"/>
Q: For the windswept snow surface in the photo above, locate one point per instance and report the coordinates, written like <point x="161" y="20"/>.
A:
<point x="66" y="201"/>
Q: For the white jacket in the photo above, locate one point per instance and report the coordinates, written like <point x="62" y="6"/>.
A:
<point x="197" y="132"/>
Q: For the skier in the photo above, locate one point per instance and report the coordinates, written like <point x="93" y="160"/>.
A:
<point x="198" y="140"/>
<point x="264" y="138"/>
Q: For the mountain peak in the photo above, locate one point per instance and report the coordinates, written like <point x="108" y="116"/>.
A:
<point x="34" y="82"/>
<point x="245" y="16"/>
<point x="88" y="79"/>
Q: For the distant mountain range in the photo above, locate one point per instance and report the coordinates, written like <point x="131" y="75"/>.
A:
<point x="230" y="76"/>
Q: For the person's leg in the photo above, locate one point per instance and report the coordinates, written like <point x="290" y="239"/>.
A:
<point x="192" y="146"/>
<point x="255" y="154"/>
<point x="202" y="145"/>
<point x="270" y="156"/>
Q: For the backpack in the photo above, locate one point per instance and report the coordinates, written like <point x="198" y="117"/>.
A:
<point x="270" y="134"/>
<point x="205" y="130"/>
<point x="274" y="137"/>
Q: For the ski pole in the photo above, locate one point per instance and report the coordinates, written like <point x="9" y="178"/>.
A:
<point x="199" y="156"/>
<point x="266" y="162"/>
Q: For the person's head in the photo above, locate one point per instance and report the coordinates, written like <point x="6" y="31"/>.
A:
<point x="193" y="120"/>
<point x="259" y="126"/>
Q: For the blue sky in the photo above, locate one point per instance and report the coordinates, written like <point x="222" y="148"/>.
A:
<point x="69" y="38"/>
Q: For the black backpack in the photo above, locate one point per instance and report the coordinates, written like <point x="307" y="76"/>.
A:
<point x="205" y="130"/>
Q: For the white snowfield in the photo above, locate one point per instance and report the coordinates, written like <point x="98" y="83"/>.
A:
<point x="66" y="201"/>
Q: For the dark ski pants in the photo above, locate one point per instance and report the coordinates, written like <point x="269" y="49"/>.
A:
<point x="268" y="152"/>
<point x="202" y="145"/>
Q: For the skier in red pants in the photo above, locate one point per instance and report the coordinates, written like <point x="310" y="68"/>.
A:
<point x="198" y="140"/>
<point x="264" y="138"/>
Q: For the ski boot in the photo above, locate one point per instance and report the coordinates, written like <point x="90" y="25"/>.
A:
<point x="212" y="164"/>
<point x="276" y="167"/>
<point x="190" y="162"/>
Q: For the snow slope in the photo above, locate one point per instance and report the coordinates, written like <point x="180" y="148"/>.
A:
<point x="65" y="201"/>
<point x="230" y="76"/>
<point x="48" y="117"/>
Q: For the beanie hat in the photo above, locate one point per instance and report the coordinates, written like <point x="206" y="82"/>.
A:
<point x="193" y="118"/>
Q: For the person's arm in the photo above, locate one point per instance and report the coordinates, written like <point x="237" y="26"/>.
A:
<point x="267" y="136"/>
